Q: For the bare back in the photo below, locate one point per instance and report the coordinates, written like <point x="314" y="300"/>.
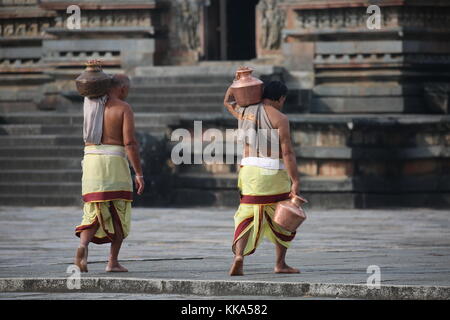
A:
<point x="277" y="119"/>
<point x="113" y="119"/>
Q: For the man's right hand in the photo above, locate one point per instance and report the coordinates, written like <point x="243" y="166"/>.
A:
<point x="139" y="183"/>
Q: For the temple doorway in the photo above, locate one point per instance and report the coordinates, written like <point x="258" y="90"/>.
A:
<point x="229" y="30"/>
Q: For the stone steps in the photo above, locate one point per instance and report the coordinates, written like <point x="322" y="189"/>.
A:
<point x="325" y="184"/>
<point x="140" y="81"/>
<point x="321" y="200"/>
<point x="17" y="163"/>
<point x="229" y="182"/>
<point x="72" y="189"/>
<point x="42" y="151"/>
<point x="60" y="118"/>
<point x="33" y="175"/>
<point x="23" y="106"/>
<point x="186" y="89"/>
<point x="382" y="105"/>
<point x="221" y="190"/>
<point x="41" y="140"/>
<point x="178" y="108"/>
<point x="175" y="98"/>
<point x="29" y="199"/>
<point x="38" y="129"/>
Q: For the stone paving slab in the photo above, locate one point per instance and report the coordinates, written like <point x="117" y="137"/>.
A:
<point x="411" y="247"/>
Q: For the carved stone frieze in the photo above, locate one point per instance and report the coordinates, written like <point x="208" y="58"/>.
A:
<point x="18" y="2"/>
<point x="356" y="17"/>
<point x="109" y="18"/>
<point x="382" y="58"/>
<point x="24" y="27"/>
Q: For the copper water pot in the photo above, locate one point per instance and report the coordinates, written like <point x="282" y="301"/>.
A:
<point x="246" y="89"/>
<point x="93" y="82"/>
<point x="289" y="213"/>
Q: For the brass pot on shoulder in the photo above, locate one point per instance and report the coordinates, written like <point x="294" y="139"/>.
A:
<point x="246" y="89"/>
<point x="93" y="82"/>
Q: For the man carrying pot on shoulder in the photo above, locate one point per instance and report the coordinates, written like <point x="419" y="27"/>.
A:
<point x="267" y="176"/>
<point x="107" y="186"/>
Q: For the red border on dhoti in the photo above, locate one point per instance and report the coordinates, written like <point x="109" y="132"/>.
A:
<point x="246" y="199"/>
<point x="109" y="236"/>
<point x="241" y="227"/>
<point x="108" y="196"/>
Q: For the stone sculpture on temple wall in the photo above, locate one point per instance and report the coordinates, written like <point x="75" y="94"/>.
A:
<point x="188" y="19"/>
<point x="272" y="20"/>
<point x="184" y="22"/>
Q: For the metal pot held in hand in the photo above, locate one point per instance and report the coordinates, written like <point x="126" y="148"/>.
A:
<point x="246" y="89"/>
<point x="289" y="213"/>
<point x="93" y="82"/>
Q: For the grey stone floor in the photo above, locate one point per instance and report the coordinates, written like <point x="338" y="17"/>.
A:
<point x="334" y="246"/>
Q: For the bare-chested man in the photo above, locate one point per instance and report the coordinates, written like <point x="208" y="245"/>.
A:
<point x="107" y="186"/>
<point x="264" y="179"/>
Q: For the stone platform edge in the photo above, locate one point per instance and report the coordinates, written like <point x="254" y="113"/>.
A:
<point x="278" y="290"/>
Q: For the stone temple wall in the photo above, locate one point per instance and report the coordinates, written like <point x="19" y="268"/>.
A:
<point x="336" y="63"/>
<point x="368" y="107"/>
<point x="41" y="55"/>
<point x="344" y="161"/>
<point x="402" y="67"/>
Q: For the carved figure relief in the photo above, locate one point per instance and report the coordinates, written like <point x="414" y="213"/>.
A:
<point x="272" y="22"/>
<point x="188" y="19"/>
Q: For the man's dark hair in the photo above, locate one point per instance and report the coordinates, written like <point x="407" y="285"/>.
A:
<point x="119" y="80"/>
<point x="274" y="90"/>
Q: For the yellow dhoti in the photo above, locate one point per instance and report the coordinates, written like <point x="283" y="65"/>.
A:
<point x="107" y="191"/>
<point x="260" y="190"/>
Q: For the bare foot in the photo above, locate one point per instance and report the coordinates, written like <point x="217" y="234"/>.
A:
<point x="81" y="258"/>
<point x="237" y="269"/>
<point x="284" y="268"/>
<point x="115" y="268"/>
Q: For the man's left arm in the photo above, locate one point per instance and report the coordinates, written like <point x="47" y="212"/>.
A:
<point x="289" y="157"/>
<point x="132" y="148"/>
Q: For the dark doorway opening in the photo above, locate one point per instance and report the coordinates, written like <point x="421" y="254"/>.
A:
<point x="229" y="27"/>
<point x="241" y="29"/>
